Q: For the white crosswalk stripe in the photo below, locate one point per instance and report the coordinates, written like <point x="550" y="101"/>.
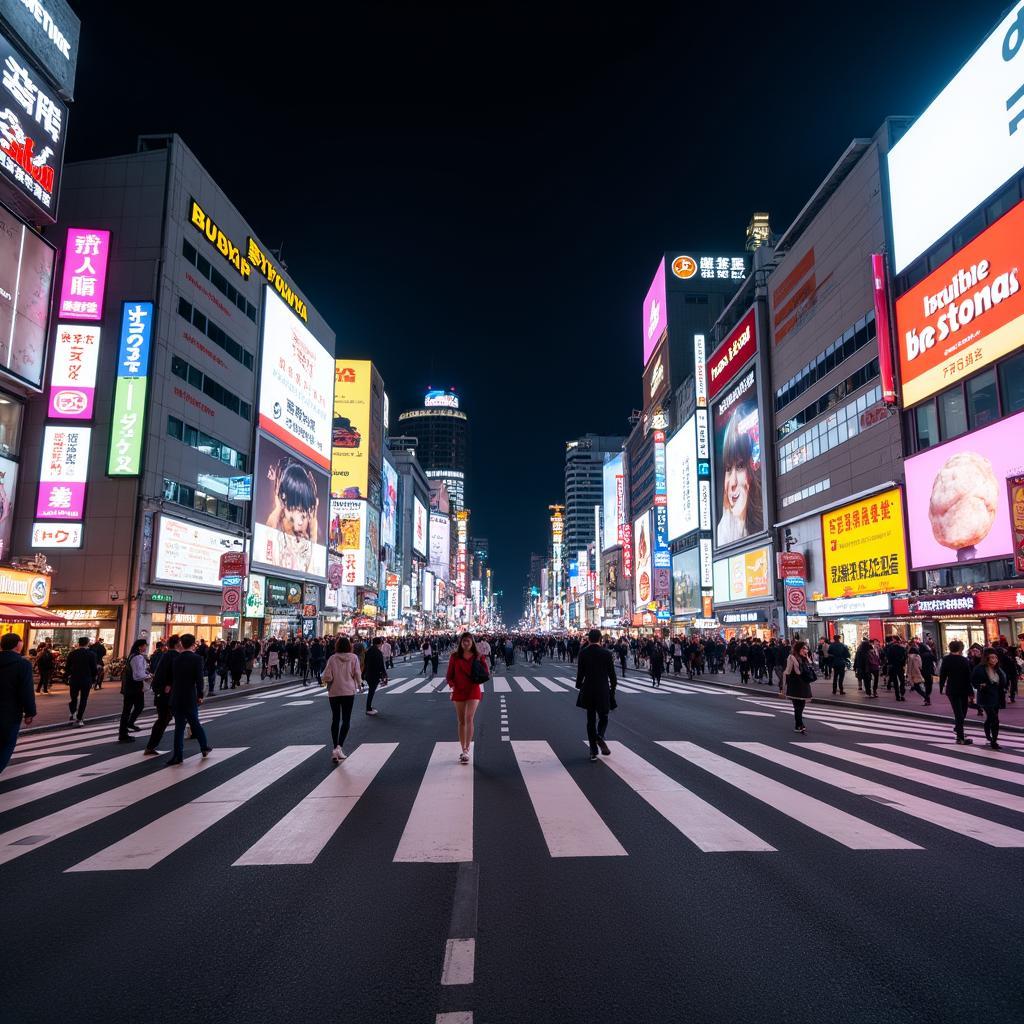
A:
<point x="60" y="783"/>
<point x="549" y="685"/>
<point x="402" y="687"/>
<point x="501" y="685"/>
<point x="990" y="772"/>
<point x="525" y="685"/>
<point x="37" y="765"/>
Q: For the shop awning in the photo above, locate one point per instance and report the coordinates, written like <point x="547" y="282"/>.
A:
<point x="33" y="616"/>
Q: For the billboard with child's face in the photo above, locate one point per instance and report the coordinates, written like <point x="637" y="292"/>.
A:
<point x="290" y="506"/>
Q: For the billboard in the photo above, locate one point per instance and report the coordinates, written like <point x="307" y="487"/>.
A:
<point x="289" y="512"/>
<point x="256" y="596"/>
<point x="54" y="535"/>
<point x="957" y="496"/>
<point x="686" y="583"/>
<point x="76" y="351"/>
<point x="733" y="354"/>
<point x="966" y="314"/>
<point x="438" y="399"/>
<point x="347" y="536"/>
<point x="655" y="314"/>
<point x="419" y="527"/>
<point x="613" y="501"/>
<point x="967" y="143"/>
<point x="63" y="472"/>
<point x="440" y="544"/>
<point x="126" y="423"/>
<point x="643" y="588"/>
<point x="49" y="30"/>
<point x="738" y="466"/>
<point x="865" y="547"/>
<point x="389" y="504"/>
<point x="296" y="384"/>
<point x="85" y="274"/>
<point x="683" y="504"/>
<point x="26" y="280"/>
<point x="743" y="577"/>
<point x="350" y="432"/>
<point x="8" y="489"/>
<point x="187" y="553"/>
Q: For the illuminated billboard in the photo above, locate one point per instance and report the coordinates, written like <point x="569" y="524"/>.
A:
<point x="681" y="467"/>
<point x="655" y="313"/>
<point x="643" y="587"/>
<point x="347" y="536"/>
<point x="733" y="354"/>
<point x="128" y="417"/>
<point x="76" y="351"/>
<point x="419" y="527"/>
<point x="350" y="437"/>
<point x="744" y="577"/>
<point x="63" y="472"/>
<point x="613" y="501"/>
<point x="189" y="554"/>
<point x="440" y="545"/>
<point x="84" y="279"/>
<point x="389" y="505"/>
<point x="436" y="399"/>
<point x="686" y="597"/>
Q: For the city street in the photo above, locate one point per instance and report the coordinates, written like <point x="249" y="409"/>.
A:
<point x="715" y="867"/>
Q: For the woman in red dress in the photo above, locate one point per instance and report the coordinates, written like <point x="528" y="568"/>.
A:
<point x="466" y="693"/>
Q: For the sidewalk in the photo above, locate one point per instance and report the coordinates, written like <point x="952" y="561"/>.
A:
<point x="1011" y="717"/>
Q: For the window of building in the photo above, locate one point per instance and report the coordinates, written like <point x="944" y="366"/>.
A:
<point x="209" y="387"/>
<point x="217" y="279"/>
<point x="11" y="414"/>
<point x="203" y="442"/>
<point x="1011" y="378"/>
<point x="199" y="501"/>
<point x="982" y="399"/>
<point x="952" y="413"/>
<point x="926" y="426"/>
<point x="829" y="400"/>
<point x="219" y="337"/>
<point x="809" y="491"/>
<point x="841" y="425"/>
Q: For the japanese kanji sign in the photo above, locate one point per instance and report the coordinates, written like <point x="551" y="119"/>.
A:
<point x="865" y="548"/>
<point x="85" y="274"/>
<point x="73" y="373"/>
<point x="127" y="421"/>
<point x="33" y="123"/>
<point x="63" y="472"/>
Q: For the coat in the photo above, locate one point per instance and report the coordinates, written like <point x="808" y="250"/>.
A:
<point x="374" y="668"/>
<point x="17" y="697"/>
<point x="595" y="679"/>
<point x="341" y="676"/>
<point x="80" y="667"/>
<point x="797" y="686"/>
<point x="186" y="681"/>
<point x="914" y="674"/>
<point x="991" y="696"/>
<point x="955" y="676"/>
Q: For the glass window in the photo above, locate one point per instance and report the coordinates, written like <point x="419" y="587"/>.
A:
<point x="952" y="413"/>
<point x="1011" y="377"/>
<point x="982" y="399"/>
<point x="179" y="367"/>
<point x="926" y="426"/>
<point x="11" y="411"/>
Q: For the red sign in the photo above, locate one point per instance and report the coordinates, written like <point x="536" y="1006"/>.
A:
<point x="881" y="294"/>
<point x="1015" y="487"/>
<point x="796" y="600"/>
<point x="985" y="601"/>
<point x="999" y="601"/>
<point x="792" y="563"/>
<point x="233" y="563"/>
<point x="231" y="599"/>
<point x="732" y="355"/>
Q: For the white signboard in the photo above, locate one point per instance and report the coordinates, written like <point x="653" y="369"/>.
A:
<point x="56" y="535"/>
<point x="419" y="527"/>
<point x="855" y="605"/>
<point x="63" y="472"/>
<point x="76" y="350"/>
<point x="440" y="544"/>
<point x="681" y="471"/>
<point x="188" y="553"/>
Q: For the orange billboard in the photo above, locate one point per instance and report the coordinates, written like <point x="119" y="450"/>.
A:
<point x="966" y="314"/>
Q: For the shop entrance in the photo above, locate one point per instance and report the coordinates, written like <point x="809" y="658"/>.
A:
<point x="966" y="632"/>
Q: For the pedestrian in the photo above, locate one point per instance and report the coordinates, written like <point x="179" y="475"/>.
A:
<point x="236" y="663"/>
<point x="99" y="652"/>
<point x="161" y="687"/>
<point x="838" y="658"/>
<point x="186" y="698"/>
<point x="989" y="680"/>
<point x="317" y="659"/>
<point x="467" y="671"/>
<point x="44" y="666"/>
<point x="595" y="679"/>
<point x="955" y="679"/>
<point x="80" y="675"/>
<point x="657" y="662"/>
<point x="134" y="677"/>
<point x="427" y="651"/>
<point x="798" y="677"/>
<point x="374" y="672"/>
<point x="914" y="674"/>
<point x="388" y="651"/>
<point x="896" y="659"/>
<point x="17" y="701"/>
<point x="274" y="660"/>
<point x="342" y="679"/>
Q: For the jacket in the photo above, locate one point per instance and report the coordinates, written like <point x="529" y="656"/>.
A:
<point x="186" y="680"/>
<point x="991" y="696"/>
<point x="596" y="680"/>
<point x="914" y="674"/>
<point x="838" y="654"/>
<point x="374" y="669"/>
<point x="162" y="675"/>
<point x="955" y="676"/>
<point x="17" y="698"/>
<point x="341" y="675"/>
<point x="895" y="655"/>
<point x="80" y="667"/>
<point x="797" y="686"/>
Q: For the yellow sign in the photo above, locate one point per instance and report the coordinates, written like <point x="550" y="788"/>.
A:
<point x="204" y="223"/>
<point x="350" y="435"/>
<point x="27" y="588"/>
<point x="865" y="546"/>
<point x="262" y="263"/>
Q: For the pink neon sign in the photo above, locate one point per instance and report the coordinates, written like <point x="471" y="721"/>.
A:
<point x="85" y="274"/>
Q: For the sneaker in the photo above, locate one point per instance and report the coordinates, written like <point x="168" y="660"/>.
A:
<point x="135" y="728"/>
<point x="593" y="755"/>
<point x="336" y="755"/>
<point x="372" y="711"/>
<point x="341" y="754"/>
<point x="150" y="753"/>
<point x="968" y="741"/>
<point x="71" y="719"/>
<point x="464" y="758"/>
<point x="604" y="748"/>
<point x="175" y="760"/>
<point x="207" y="751"/>
<point x="79" y="722"/>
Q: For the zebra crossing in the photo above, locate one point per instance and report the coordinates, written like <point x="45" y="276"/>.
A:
<point x="731" y="797"/>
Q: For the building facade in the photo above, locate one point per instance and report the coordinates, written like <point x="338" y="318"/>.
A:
<point x="584" y="480"/>
<point x="442" y="432"/>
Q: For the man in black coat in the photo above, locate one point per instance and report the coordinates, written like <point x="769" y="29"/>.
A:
<point x="955" y="679"/>
<point x="17" y="701"/>
<point x="374" y="672"/>
<point x="161" y="687"/>
<point x="186" y="696"/>
<point x="595" y="679"/>
<point x="80" y="672"/>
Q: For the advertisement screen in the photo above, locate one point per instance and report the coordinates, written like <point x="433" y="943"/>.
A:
<point x="683" y="505"/>
<point x="643" y="587"/>
<point x="296" y="384"/>
<point x="963" y="147"/>
<point x="8" y="490"/>
<point x="63" y="472"/>
<point x="85" y="274"/>
<point x="957" y="496"/>
<point x="190" y="554"/>
<point x="76" y="351"/>
<point x="372" y="546"/>
<point x="256" y="596"/>
<point x="389" y="505"/>
<point x="350" y="435"/>
<point x="733" y="354"/>
<point x="966" y="314"/>
<point x="347" y="536"/>
<point x="614" y="495"/>
<point x="864" y="546"/>
<point x="686" y="583"/>
<point x="440" y="544"/>
<point x="739" y="482"/>
<point x="289" y="513"/>
<point x="125" y="455"/>
<point x="419" y="527"/>
<point x="655" y="316"/>
<point x="744" y="577"/>
<point x="26" y="278"/>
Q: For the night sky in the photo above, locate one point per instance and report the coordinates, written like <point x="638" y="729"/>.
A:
<point x="480" y="201"/>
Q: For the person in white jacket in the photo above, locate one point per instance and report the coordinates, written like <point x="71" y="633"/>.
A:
<point x="341" y="677"/>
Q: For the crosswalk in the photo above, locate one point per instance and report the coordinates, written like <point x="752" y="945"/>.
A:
<point x="733" y="797"/>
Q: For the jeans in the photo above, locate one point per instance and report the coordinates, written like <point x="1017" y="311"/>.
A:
<point x="656" y="676"/>
<point x="79" y="697"/>
<point x="597" y="722"/>
<point x="870" y="679"/>
<point x="371" y="689"/>
<point x="426" y="665"/>
<point x="8" y="738"/>
<point x="780" y="671"/>
<point x="992" y="724"/>
<point x="211" y="680"/>
<point x="341" y="707"/>
<point x="959" y="706"/>
<point x="838" y="678"/>
<point x="163" y="716"/>
<point x="798" y="713"/>
<point x="188" y="715"/>
<point x="131" y="707"/>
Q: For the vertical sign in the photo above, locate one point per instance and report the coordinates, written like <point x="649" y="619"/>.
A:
<point x="125" y="458"/>
<point x="85" y="274"/>
<point x="1015" y="485"/>
<point x="63" y="472"/>
<point x="882" y="334"/>
<point x="700" y="371"/>
<point x="73" y="372"/>
<point x="662" y="559"/>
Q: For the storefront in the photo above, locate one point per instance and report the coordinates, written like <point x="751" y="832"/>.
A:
<point x="101" y="624"/>
<point x="744" y="594"/>
<point x="24" y="597"/>
<point x="973" y="618"/>
<point x="853" y="618"/>
<point x="203" y="627"/>
<point x="749" y="622"/>
<point x="283" y="615"/>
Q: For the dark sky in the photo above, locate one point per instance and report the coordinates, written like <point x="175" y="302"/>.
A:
<point x="480" y="200"/>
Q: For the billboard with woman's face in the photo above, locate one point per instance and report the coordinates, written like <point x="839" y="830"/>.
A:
<point x="738" y="463"/>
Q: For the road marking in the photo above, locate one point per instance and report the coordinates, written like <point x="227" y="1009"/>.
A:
<point x="439" y="829"/>
<point x="459" y="957"/>
<point x="844" y="828"/>
<point x="944" y="782"/>
<point x="160" y="838"/>
<point x="995" y="755"/>
<point x="704" y="825"/>
<point x="16" y="771"/>
<point x="571" y="826"/>
<point x="501" y="686"/>
<point x="455" y="1017"/>
<point x="525" y="685"/>
<point x="296" y="703"/>
<point x="401" y="688"/>
<point x="45" y="830"/>
<point x="549" y="684"/>
<point x="985" y="831"/>
<point x="283" y="692"/>
<point x="300" y="836"/>
<point x="60" y="783"/>
<point x="756" y="714"/>
<point x="433" y="685"/>
<point x="990" y="772"/>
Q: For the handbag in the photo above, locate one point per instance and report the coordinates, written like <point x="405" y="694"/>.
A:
<point x="808" y="673"/>
<point x="478" y="671"/>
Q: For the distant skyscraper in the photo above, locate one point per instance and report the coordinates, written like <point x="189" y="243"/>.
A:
<point x="584" y="459"/>
<point x="442" y="430"/>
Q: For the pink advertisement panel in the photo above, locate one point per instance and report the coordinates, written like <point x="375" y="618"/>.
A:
<point x="63" y="472"/>
<point x="73" y="371"/>
<point x="85" y="274"/>
<point x="957" y="505"/>
<point x="655" y="313"/>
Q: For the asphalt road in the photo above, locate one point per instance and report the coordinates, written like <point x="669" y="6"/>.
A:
<point x="699" y="880"/>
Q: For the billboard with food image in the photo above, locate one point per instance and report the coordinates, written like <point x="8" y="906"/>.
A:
<point x="642" y="567"/>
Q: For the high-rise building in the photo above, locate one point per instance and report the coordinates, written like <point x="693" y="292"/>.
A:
<point x="584" y="481"/>
<point x="442" y="430"/>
